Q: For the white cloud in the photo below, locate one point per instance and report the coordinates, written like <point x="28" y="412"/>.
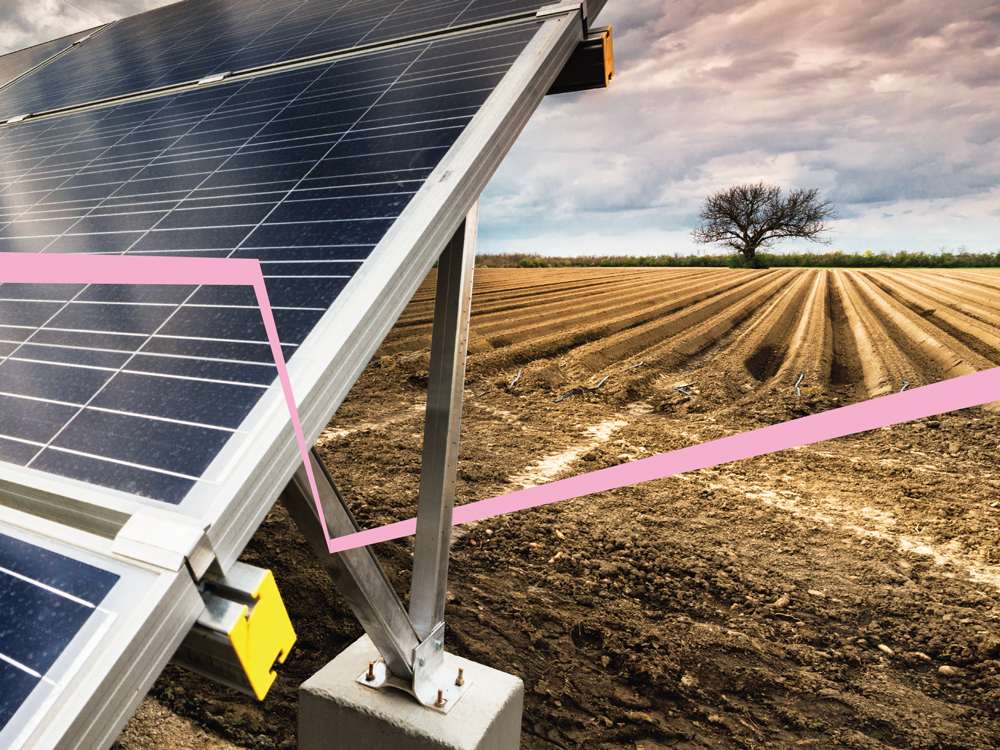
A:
<point x="874" y="105"/>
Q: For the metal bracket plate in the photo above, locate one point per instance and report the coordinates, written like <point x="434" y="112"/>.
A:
<point x="436" y="684"/>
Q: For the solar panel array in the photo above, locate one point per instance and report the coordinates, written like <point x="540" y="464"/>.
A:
<point x="191" y="40"/>
<point x="139" y="388"/>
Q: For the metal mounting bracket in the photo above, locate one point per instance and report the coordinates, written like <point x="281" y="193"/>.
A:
<point x="243" y="631"/>
<point x="435" y="684"/>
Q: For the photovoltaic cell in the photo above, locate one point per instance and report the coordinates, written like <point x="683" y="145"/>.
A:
<point x="45" y="600"/>
<point x="140" y="388"/>
<point x="191" y="40"/>
<point x="18" y="63"/>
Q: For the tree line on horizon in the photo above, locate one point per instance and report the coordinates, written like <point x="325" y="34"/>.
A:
<point x="747" y="219"/>
<point x="837" y="259"/>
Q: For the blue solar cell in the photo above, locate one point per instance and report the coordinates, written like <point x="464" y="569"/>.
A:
<point x="189" y="399"/>
<point x="215" y="350"/>
<point x="51" y="382"/>
<point x="45" y="599"/>
<point x="179" y="448"/>
<point x="87" y="316"/>
<point x="70" y="356"/>
<point x="36" y="624"/>
<point x="147" y="293"/>
<point x="195" y="39"/>
<point x="207" y="369"/>
<point x="305" y="170"/>
<point x="86" y="339"/>
<point x="29" y="313"/>
<point x="30" y="421"/>
<point x="168" y="488"/>
<point x="15" y="687"/>
<point x="57" y="571"/>
<point x="13" y="452"/>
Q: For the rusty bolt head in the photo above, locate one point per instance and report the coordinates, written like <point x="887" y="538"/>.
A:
<point x="370" y="677"/>
<point x="439" y="703"/>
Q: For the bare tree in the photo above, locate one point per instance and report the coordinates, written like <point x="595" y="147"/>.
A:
<point x="751" y="217"/>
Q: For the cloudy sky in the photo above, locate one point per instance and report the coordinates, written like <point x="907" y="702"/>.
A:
<point x="891" y="109"/>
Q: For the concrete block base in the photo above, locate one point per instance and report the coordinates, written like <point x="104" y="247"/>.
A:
<point x="336" y="711"/>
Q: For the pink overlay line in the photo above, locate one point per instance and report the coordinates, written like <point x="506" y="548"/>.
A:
<point x="937" y="398"/>
<point x="67" y="268"/>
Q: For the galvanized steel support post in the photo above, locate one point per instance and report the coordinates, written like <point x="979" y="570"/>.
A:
<point x="412" y="646"/>
<point x="449" y="342"/>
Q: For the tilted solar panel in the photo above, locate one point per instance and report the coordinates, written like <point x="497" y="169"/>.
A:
<point x="191" y="40"/>
<point x="139" y="389"/>
<point x="346" y="178"/>
<point x="20" y="62"/>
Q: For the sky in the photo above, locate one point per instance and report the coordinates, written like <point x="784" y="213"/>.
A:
<point x="890" y="109"/>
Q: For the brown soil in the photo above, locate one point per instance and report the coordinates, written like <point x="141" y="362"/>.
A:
<point x="155" y="727"/>
<point x="839" y="595"/>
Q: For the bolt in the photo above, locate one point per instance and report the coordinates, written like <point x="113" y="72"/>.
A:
<point x="422" y="661"/>
<point x="370" y="677"/>
<point x="438" y="645"/>
<point x="439" y="703"/>
<point x="460" y="680"/>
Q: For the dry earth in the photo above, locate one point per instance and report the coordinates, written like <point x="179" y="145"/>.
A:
<point x="839" y="595"/>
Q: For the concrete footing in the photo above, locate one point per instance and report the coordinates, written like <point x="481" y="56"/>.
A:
<point x="336" y="711"/>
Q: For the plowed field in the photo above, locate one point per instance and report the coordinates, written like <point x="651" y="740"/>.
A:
<point x="839" y="595"/>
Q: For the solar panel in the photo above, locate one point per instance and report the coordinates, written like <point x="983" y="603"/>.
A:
<point x="45" y="599"/>
<point x="345" y="177"/>
<point x="189" y="40"/>
<point x="20" y="62"/>
<point x="67" y="615"/>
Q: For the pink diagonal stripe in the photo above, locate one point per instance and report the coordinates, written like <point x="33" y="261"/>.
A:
<point x="32" y="268"/>
<point x="958" y="393"/>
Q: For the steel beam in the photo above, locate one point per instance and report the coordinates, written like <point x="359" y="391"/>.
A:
<point x="356" y="573"/>
<point x="449" y="342"/>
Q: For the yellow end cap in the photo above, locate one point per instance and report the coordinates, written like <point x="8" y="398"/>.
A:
<point x="609" y="57"/>
<point x="263" y="636"/>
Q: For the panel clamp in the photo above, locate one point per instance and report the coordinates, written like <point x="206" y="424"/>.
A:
<point x="214" y="78"/>
<point x="166" y="539"/>
<point x="17" y="118"/>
